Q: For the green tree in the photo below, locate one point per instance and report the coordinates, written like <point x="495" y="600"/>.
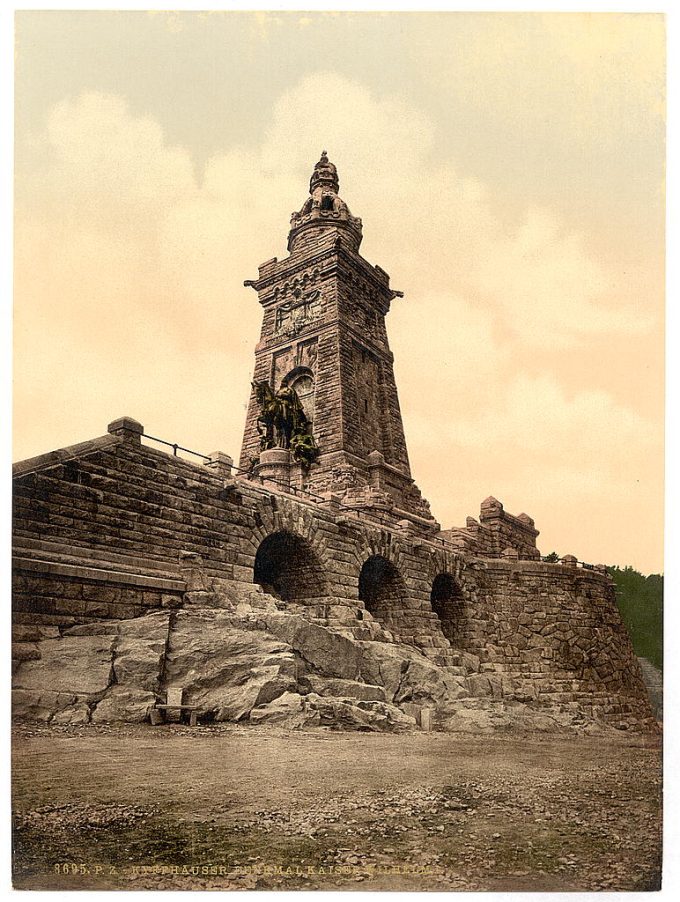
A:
<point x="640" y="601"/>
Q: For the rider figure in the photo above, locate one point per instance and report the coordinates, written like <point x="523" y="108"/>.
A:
<point x="291" y="413"/>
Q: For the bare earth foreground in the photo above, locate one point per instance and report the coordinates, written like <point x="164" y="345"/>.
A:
<point x="228" y="807"/>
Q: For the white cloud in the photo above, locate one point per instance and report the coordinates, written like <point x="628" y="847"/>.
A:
<point x="130" y="297"/>
<point x="534" y="414"/>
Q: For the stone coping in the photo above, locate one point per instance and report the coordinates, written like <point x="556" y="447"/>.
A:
<point x="537" y="566"/>
<point x="63" y="455"/>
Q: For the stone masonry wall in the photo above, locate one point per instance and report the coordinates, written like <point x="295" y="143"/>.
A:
<point x="497" y="534"/>
<point x="139" y="528"/>
<point x="552" y="634"/>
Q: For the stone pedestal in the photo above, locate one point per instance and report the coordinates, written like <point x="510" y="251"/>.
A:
<point x="126" y="428"/>
<point x="221" y="463"/>
<point x="275" y="464"/>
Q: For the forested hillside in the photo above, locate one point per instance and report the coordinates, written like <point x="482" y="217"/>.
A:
<point x="640" y="600"/>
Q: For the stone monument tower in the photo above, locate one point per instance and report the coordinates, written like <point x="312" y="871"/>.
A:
<point x="324" y="336"/>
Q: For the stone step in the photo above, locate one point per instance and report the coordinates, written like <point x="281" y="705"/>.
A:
<point x="65" y="552"/>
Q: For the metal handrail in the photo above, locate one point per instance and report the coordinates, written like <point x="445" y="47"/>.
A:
<point x="175" y="446"/>
<point x="319" y="499"/>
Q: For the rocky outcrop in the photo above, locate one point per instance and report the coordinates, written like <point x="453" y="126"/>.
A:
<point x="348" y="713"/>
<point x="248" y="661"/>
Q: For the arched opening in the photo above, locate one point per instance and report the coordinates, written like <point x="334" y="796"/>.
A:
<point x="327" y="202"/>
<point x="302" y="380"/>
<point x="287" y="566"/>
<point x="447" y="603"/>
<point x="381" y="587"/>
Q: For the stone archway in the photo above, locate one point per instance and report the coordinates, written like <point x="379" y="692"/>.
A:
<point x="287" y="566"/>
<point x="381" y="587"/>
<point x="448" y="604"/>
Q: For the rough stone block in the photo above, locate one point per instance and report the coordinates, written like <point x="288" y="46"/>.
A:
<point x="75" y="664"/>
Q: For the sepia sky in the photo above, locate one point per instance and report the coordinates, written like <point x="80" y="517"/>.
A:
<point x="509" y="170"/>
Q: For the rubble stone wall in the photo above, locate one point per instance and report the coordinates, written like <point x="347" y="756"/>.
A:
<point x="550" y="633"/>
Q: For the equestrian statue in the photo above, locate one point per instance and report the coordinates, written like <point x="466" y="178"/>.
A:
<point x="282" y="422"/>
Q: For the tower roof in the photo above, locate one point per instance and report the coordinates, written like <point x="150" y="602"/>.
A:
<point x="324" y="209"/>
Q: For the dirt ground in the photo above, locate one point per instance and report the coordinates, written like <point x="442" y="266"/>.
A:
<point x="228" y="807"/>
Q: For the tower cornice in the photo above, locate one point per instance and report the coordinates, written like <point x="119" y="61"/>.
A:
<point x="274" y="270"/>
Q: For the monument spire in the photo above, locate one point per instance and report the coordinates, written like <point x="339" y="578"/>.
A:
<point x="324" y="340"/>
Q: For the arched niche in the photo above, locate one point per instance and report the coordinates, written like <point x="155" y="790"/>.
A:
<point x="448" y="604"/>
<point x="287" y="566"/>
<point x="381" y="587"/>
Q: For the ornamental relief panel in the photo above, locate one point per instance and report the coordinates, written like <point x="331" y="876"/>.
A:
<point x="294" y="315"/>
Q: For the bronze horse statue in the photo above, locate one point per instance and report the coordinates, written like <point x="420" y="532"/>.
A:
<point x="282" y="422"/>
<point x="269" y="419"/>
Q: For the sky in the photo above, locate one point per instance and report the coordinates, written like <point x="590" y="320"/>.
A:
<point x="509" y="171"/>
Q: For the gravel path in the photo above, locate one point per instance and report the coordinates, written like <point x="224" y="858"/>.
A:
<point x="230" y="807"/>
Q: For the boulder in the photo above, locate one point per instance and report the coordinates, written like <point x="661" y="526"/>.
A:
<point x="407" y="675"/>
<point x="124" y="703"/>
<point x="344" y="688"/>
<point x="79" y="665"/>
<point x="424" y="682"/>
<point x="240" y="597"/>
<point x="382" y="664"/>
<point x="74" y="714"/>
<point x="479" y="685"/>
<point x="295" y="711"/>
<point x="326" y="650"/>
<point x="225" y="664"/>
<point x="289" y="710"/>
<point x="354" y="714"/>
<point x="43" y="705"/>
<point x="139" y="651"/>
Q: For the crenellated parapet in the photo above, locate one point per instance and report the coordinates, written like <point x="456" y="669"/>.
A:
<point x="497" y="534"/>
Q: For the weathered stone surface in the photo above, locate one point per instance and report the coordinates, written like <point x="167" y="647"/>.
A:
<point x="351" y="714"/>
<point x="224" y="667"/>
<point x="406" y="675"/>
<point x="139" y="651"/>
<point x="74" y="664"/>
<point x="124" y="703"/>
<point x="25" y="651"/>
<point x="384" y="665"/>
<point x="478" y="684"/>
<point x="32" y="633"/>
<point x="42" y="705"/>
<point x="98" y="628"/>
<point x="75" y="714"/>
<point x="288" y="710"/>
<point x="345" y="688"/>
<point x="296" y="711"/>
<point x="326" y="650"/>
<point x="424" y="681"/>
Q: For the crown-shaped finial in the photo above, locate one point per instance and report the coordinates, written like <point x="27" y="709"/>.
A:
<point x="324" y="174"/>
